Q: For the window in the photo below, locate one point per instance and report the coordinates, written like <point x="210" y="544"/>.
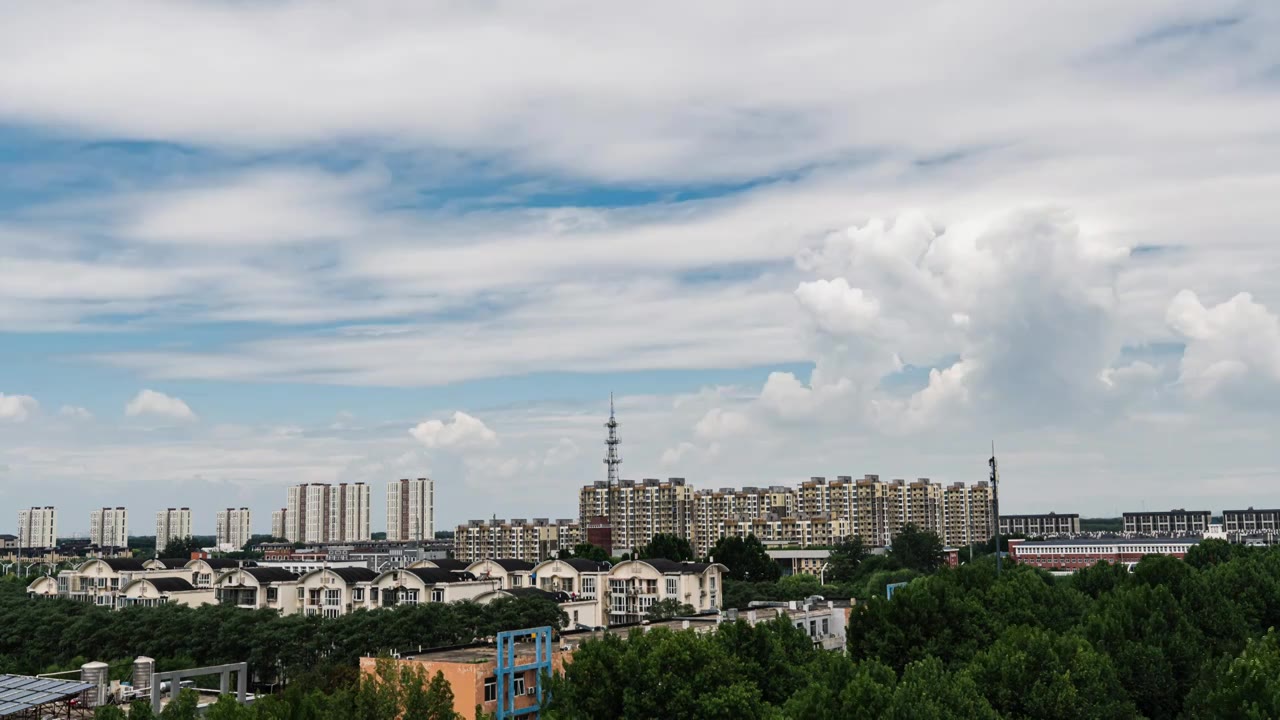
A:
<point x="589" y="587"/>
<point x="332" y="597"/>
<point x="673" y="587"/>
<point x="358" y="595"/>
<point x="437" y="595"/>
<point x="515" y="580"/>
<point x="517" y="684"/>
<point x="826" y="626"/>
<point x="272" y="594"/>
<point x="575" y="616"/>
<point x="491" y="689"/>
<point x="302" y="594"/>
<point x="813" y="628"/>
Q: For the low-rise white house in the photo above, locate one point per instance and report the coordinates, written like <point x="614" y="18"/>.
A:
<point x="152" y="591"/>
<point x="334" y="591"/>
<point x="578" y="577"/>
<point x="256" y="588"/>
<point x="512" y="573"/>
<point x="635" y="585"/>
<point x="415" y="585"/>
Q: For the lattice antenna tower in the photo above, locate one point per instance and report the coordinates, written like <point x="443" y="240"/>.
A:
<point x="611" y="458"/>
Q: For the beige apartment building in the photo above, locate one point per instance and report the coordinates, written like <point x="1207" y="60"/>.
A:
<point x="817" y="512"/>
<point x="529" y="540"/>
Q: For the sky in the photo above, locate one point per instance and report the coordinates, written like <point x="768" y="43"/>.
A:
<point x="246" y="245"/>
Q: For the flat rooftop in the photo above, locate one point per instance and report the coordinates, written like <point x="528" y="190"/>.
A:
<point x="1112" y="541"/>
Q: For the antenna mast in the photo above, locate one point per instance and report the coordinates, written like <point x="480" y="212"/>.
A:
<point x="995" y="502"/>
<point x="612" y="461"/>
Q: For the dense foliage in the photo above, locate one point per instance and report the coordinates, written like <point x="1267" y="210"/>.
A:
<point x="1172" y="639"/>
<point x="47" y="635"/>
<point x="671" y="547"/>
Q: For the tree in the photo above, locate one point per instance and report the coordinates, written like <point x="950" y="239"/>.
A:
<point x="746" y="559"/>
<point x="917" y="549"/>
<point x="1242" y="688"/>
<point x="590" y="552"/>
<point x="186" y="707"/>
<point x="846" y="559"/>
<point x="1034" y="673"/>
<point x="663" y="545"/>
<point x="667" y="609"/>
<point x="180" y="548"/>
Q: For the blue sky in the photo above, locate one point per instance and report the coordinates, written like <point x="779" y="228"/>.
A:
<point x="833" y="241"/>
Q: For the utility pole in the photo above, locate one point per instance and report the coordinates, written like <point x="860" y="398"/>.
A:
<point x="995" y="502"/>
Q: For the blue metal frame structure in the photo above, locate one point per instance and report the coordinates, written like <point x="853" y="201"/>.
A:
<point x="507" y="668"/>
<point x="891" y="587"/>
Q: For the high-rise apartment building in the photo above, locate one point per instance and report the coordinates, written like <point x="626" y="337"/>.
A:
<point x="411" y="510"/>
<point x="322" y="513"/>
<point x="638" y="510"/>
<point x="171" y="524"/>
<point x="349" y="512"/>
<point x="280" y="523"/>
<point x="108" y="527"/>
<point x="232" y="528"/>
<point x="811" y="514"/>
<point x="38" y="528"/>
<point x="307" y="516"/>
<point x="519" y="539"/>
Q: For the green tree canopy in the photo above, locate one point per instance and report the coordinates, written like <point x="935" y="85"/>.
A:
<point x="667" y="546"/>
<point x="917" y="549"/>
<point x="590" y="552"/>
<point x="180" y="548"/>
<point x="746" y="559"/>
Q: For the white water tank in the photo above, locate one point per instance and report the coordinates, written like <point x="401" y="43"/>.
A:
<point x="94" y="673"/>
<point x="143" y="668"/>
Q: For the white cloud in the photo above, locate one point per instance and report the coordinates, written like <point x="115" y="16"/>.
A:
<point x="75" y="412"/>
<point x="1232" y="347"/>
<point x="17" y="408"/>
<point x="151" y="402"/>
<point x="463" y="432"/>
<point x="718" y="424"/>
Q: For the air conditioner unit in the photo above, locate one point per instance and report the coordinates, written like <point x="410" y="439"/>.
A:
<point x="531" y="691"/>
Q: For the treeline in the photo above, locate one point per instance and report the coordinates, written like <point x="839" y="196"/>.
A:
<point x="1173" y="639"/>
<point x="39" y="636"/>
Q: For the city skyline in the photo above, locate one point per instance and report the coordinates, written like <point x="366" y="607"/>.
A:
<point x="817" y="242"/>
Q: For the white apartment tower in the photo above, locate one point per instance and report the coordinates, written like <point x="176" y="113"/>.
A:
<point x="349" y="512"/>
<point x="38" y="527"/>
<point x="323" y="513"/>
<point x="108" y="527"/>
<point x="232" y="528"/>
<point x="411" y="510"/>
<point x="307" y="516"/>
<point x="171" y="524"/>
<point x="280" y="523"/>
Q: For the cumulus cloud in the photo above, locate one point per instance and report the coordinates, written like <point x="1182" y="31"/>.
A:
<point x="1228" y="345"/>
<point x="718" y="424"/>
<point x="75" y="412"/>
<point x="462" y="432"/>
<point x="17" y="408"/>
<point x="153" y="403"/>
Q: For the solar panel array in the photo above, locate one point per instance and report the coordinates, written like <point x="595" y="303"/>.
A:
<point x="19" y="692"/>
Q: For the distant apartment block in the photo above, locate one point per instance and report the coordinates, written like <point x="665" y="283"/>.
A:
<point x="171" y="524"/>
<point x="1173" y="522"/>
<point x="411" y="513"/>
<point x="38" y="528"/>
<point x="322" y="513"/>
<point x="280" y="523"/>
<point x="232" y="528"/>
<point x="638" y="510"/>
<point x="1042" y="524"/>
<point x="519" y="539"/>
<point x="349" y="513"/>
<point x="1250" y="521"/>
<point x="108" y="527"/>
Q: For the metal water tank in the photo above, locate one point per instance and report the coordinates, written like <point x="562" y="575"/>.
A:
<point x="143" y="668"/>
<point x="96" y="674"/>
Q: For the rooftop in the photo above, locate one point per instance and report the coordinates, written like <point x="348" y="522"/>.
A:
<point x="1111" y="541"/>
